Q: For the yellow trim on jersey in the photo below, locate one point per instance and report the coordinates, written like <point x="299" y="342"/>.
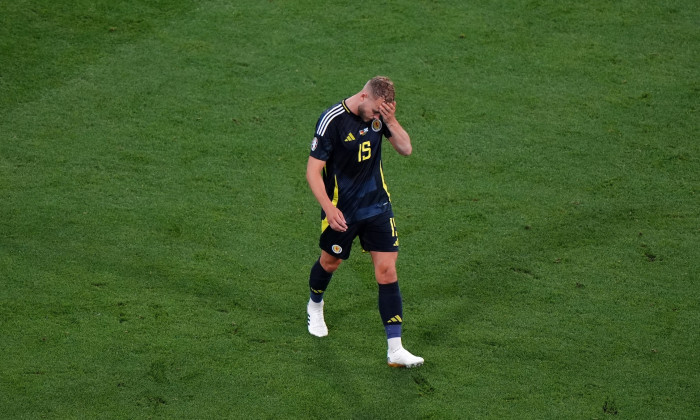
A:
<point x="335" y="192"/>
<point x="324" y="222"/>
<point x="381" y="171"/>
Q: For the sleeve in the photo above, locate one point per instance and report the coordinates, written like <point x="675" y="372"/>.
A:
<point x="321" y="146"/>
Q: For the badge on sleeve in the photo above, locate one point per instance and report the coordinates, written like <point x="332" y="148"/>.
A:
<point x="314" y="144"/>
<point x="376" y="125"/>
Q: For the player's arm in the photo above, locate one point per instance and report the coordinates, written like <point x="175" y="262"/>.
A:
<point x="399" y="137"/>
<point x="335" y="217"/>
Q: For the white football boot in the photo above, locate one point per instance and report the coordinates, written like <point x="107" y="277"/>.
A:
<point x="317" y="325"/>
<point x="403" y="358"/>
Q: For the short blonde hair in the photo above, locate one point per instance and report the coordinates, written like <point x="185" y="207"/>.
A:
<point x="381" y="87"/>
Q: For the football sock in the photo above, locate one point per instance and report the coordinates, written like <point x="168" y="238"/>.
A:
<point x="394" y="344"/>
<point x="318" y="281"/>
<point x="391" y="309"/>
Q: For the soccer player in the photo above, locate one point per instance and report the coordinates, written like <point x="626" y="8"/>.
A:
<point x="346" y="176"/>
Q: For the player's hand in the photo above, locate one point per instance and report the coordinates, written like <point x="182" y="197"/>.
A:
<point x="336" y="220"/>
<point x="388" y="111"/>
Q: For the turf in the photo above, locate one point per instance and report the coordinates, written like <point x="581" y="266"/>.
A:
<point x="156" y="229"/>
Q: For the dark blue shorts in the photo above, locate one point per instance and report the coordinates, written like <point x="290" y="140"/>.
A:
<point x="378" y="233"/>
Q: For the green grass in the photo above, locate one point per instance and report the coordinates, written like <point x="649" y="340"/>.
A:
<point x="156" y="229"/>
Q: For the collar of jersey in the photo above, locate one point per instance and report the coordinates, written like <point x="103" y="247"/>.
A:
<point x="348" y="110"/>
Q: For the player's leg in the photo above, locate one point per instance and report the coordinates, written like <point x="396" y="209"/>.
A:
<point x="391" y="309"/>
<point x="335" y="246"/>
<point x="389" y="296"/>
<point x="390" y="302"/>
<point x="320" y="276"/>
<point x="381" y="241"/>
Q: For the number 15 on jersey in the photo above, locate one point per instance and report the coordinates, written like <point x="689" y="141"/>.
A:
<point x="364" y="152"/>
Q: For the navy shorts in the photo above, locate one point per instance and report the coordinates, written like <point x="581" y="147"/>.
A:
<point x="378" y="233"/>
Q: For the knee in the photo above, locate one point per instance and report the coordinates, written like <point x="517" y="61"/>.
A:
<point x="329" y="262"/>
<point x="386" y="273"/>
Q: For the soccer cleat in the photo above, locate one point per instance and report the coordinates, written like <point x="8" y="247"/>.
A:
<point x="317" y="325"/>
<point x="403" y="358"/>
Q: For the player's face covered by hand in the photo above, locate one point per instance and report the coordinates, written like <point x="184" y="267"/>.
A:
<point x="369" y="108"/>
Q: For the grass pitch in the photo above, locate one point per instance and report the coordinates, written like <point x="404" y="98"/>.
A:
<point x="156" y="230"/>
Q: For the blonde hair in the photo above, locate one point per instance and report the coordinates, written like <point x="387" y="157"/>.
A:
<point x="381" y="87"/>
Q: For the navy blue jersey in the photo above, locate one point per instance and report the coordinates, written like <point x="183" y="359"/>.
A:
<point x="352" y="150"/>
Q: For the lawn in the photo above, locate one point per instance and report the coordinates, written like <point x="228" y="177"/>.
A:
<point x="157" y="231"/>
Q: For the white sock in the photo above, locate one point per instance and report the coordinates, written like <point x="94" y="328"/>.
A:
<point x="394" y="344"/>
<point x="314" y="305"/>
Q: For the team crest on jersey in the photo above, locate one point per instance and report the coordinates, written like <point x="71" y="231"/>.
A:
<point x="364" y="131"/>
<point x="337" y="249"/>
<point x="376" y="125"/>
<point x="314" y="144"/>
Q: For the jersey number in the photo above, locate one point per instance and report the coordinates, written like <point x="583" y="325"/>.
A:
<point x="364" y="152"/>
